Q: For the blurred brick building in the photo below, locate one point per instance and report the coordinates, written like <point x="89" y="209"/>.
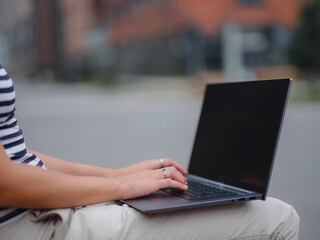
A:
<point x="140" y="20"/>
<point x="143" y="36"/>
<point x="185" y="35"/>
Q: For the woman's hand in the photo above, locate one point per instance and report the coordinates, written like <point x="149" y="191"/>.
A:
<point x="151" y="165"/>
<point x="145" y="182"/>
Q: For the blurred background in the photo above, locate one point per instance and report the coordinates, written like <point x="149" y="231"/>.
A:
<point x="113" y="82"/>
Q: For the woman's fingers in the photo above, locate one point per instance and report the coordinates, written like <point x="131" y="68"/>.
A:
<point x="165" y="183"/>
<point x="173" y="173"/>
<point x="166" y="162"/>
<point x="179" y="167"/>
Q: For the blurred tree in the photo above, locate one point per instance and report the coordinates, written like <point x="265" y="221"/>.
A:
<point x="304" y="51"/>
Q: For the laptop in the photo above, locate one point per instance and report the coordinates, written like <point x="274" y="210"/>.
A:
<point x="234" y="148"/>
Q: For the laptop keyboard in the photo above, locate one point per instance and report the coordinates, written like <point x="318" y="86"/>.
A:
<point x="201" y="191"/>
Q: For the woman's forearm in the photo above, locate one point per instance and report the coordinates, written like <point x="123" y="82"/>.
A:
<point x="26" y="186"/>
<point x="78" y="169"/>
<point x="32" y="187"/>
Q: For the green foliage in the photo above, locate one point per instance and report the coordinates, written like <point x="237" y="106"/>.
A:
<point x="304" y="51"/>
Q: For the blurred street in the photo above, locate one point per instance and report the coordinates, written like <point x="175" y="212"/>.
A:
<point x="121" y="125"/>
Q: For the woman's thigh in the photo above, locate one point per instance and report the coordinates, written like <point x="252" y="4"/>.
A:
<point x="270" y="219"/>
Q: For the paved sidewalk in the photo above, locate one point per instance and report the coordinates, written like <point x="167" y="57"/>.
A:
<point x="123" y="125"/>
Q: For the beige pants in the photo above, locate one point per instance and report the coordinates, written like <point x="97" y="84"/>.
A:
<point x="270" y="219"/>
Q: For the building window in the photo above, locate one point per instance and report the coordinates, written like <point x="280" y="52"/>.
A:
<point x="251" y="2"/>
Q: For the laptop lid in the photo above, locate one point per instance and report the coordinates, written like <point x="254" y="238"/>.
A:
<point x="238" y="132"/>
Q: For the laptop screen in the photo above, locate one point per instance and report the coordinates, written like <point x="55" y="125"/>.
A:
<point x="238" y="132"/>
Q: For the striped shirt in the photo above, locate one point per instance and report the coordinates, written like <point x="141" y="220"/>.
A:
<point x="12" y="139"/>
